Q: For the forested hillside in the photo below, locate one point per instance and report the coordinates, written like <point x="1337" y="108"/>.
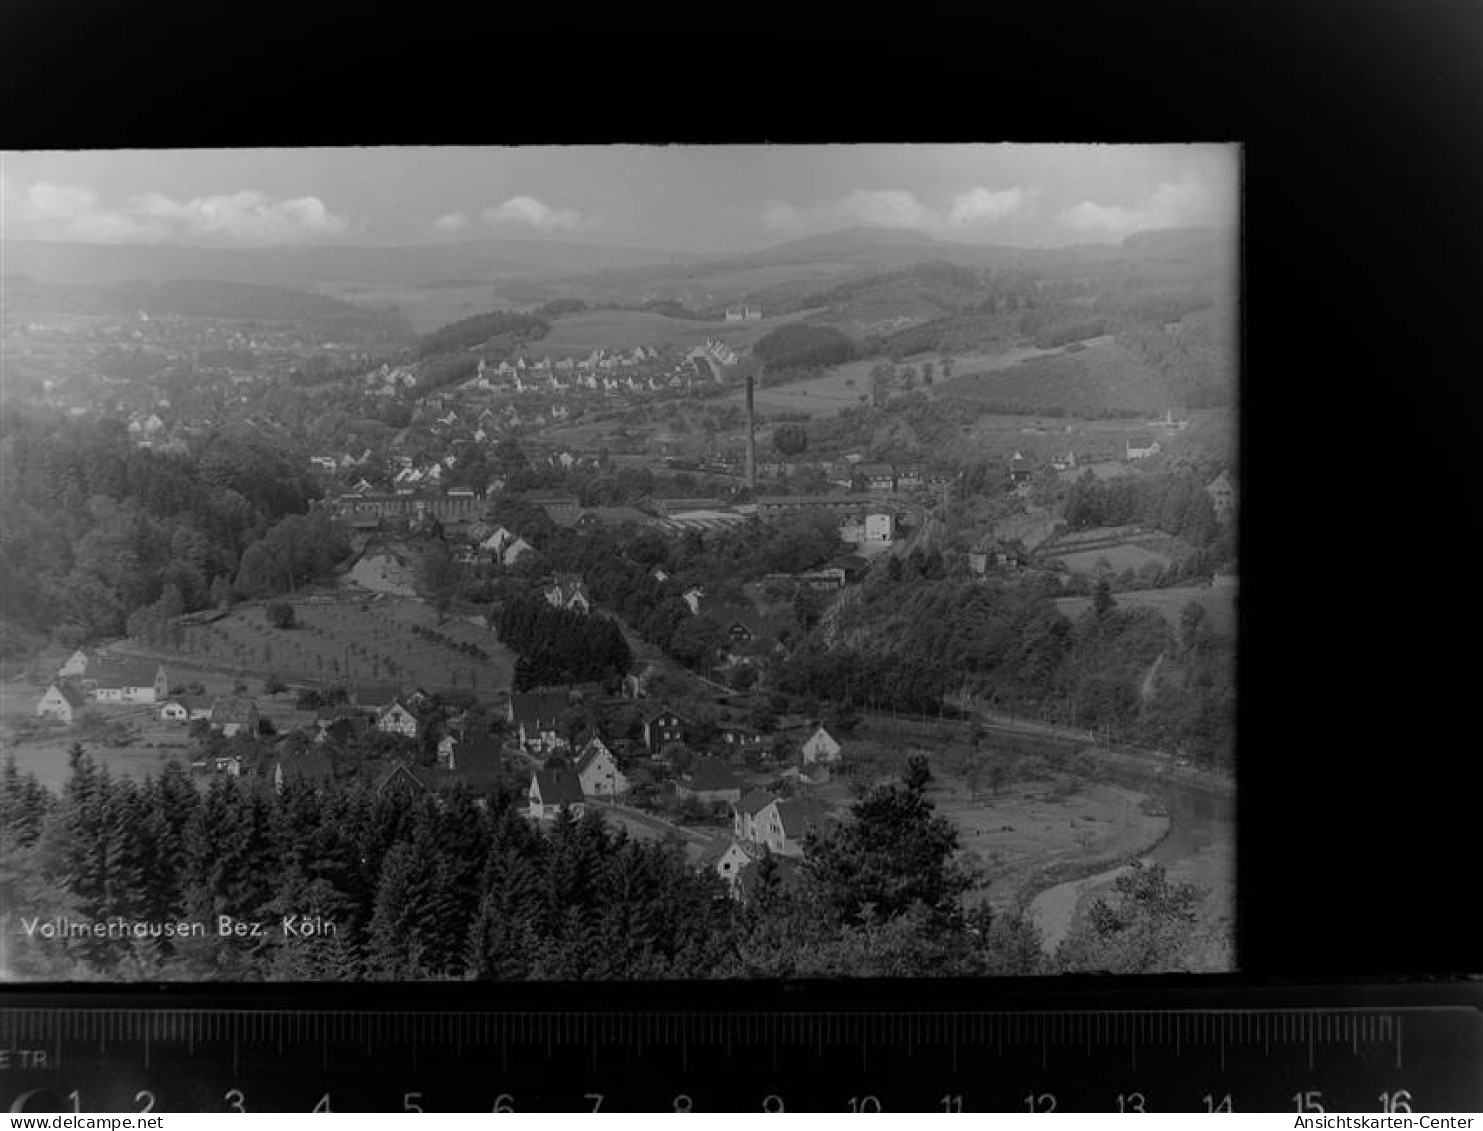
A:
<point x="97" y="529"/>
<point x="437" y="887"/>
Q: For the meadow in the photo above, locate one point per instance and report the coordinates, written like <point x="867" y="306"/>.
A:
<point x="843" y="385"/>
<point x="586" y="330"/>
<point x="1089" y="382"/>
<point x="1125" y="555"/>
<point x="356" y="641"/>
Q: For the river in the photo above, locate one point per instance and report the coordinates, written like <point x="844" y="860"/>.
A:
<point x="1198" y="848"/>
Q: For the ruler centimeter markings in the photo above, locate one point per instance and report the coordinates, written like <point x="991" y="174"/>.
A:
<point x="210" y="1058"/>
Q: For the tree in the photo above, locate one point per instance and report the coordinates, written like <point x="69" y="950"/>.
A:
<point x="1146" y="928"/>
<point x="790" y="439"/>
<point x="895" y="853"/>
<point x="1191" y="621"/>
<point x="280" y="614"/>
<point x="1102" y="602"/>
<point x="440" y="577"/>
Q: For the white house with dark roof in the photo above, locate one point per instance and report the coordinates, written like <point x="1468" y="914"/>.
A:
<point x="127" y="681"/>
<point x="1222" y="494"/>
<point x="186" y="708"/>
<point x="569" y="592"/>
<point x="534" y="715"/>
<point x="76" y="665"/>
<point x="63" y="702"/>
<point x="820" y="746"/>
<point x="728" y="857"/>
<point x="397" y="718"/>
<point x="597" y="770"/>
<point x="551" y="789"/>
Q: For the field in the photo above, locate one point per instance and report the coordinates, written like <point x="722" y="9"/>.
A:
<point x="1117" y="547"/>
<point x="844" y="385"/>
<point x="1127" y="555"/>
<point x="1103" y="377"/>
<point x="580" y="333"/>
<point x="353" y="641"/>
<point x="1219" y="604"/>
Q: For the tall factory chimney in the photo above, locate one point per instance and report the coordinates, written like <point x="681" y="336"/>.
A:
<point x="751" y="439"/>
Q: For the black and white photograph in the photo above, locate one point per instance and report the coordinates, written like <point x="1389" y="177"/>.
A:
<point x="615" y="563"/>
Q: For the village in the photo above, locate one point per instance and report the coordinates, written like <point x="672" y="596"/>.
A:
<point x="709" y="561"/>
<point x="715" y="786"/>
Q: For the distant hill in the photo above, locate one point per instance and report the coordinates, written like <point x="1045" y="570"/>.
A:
<point x="204" y="298"/>
<point x="309" y="267"/>
<point x="846" y="241"/>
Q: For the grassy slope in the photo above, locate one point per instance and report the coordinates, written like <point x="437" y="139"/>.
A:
<point x="1102" y="378"/>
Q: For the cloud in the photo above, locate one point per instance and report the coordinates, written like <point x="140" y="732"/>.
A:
<point x="72" y="212"/>
<point x="530" y="212"/>
<point x="893" y="208"/>
<point x="1186" y="202"/>
<point x="984" y="206"/>
<point x="452" y="222"/>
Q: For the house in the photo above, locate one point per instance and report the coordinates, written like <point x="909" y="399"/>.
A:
<point x="740" y="735"/>
<point x="498" y="539"/>
<point x="401" y="781"/>
<point x="1019" y="470"/>
<point x="692" y="598"/>
<point x="727" y="857"/>
<point x="820" y="747"/>
<point x="1066" y="462"/>
<point x="874" y="477"/>
<point x="635" y="685"/>
<point x="76" y="665"/>
<point x="447" y="750"/>
<point x="553" y="788"/>
<point x="534" y="716"/>
<point x="515" y="551"/>
<point x="186" y="708"/>
<point x="661" y="728"/>
<point x="1222" y="494"/>
<point x="397" y="718"/>
<point x="1140" y="451"/>
<point x="909" y="476"/>
<point x="878" y="528"/>
<point x="744" y="814"/>
<point x="597" y="770"/>
<point x="568" y="591"/>
<point x="229" y="764"/>
<point x="62" y="701"/>
<point x="127" y="681"/>
<point x="232" y="715"/>
<point x="783" y="824"/>
<point x="710" y="780"/>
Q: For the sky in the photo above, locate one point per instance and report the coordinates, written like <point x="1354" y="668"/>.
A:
<point x="705" y="199"/>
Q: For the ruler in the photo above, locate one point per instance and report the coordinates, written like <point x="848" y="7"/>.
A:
<point x="848" y="1048"/>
